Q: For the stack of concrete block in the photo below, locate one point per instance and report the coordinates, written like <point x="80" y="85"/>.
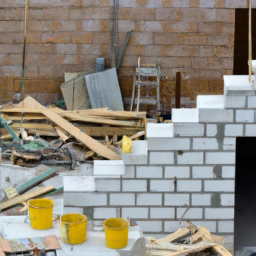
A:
<point x="189" y="163"/>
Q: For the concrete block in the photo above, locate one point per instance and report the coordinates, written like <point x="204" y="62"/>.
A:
<point x="137" y="213"/>
<point x="161" y="185"/>
<point x="162" y="213"/>
<point x="159" y="130"/>
<point x="237" y="85"/>
<point x="185" y="115"/>
<point x="210" y="101"/>
<point x="235" y="101"/>
<point x="191" y="158"/>
<point x="139" y="154"/>
<point x="251" y="101"/>
<point x="205" y="144"/>
<point x="134" y="185"/>
<point x="228" y="172"/>
<point x="150" y="226"/>
<point x="216" y="116"/>
<point x="188" y="129"/>
<point x="149" y="199"/>
<point x="107" y="184"/>
<point x="78" y="184"/>
<point x="168" y="144"/>
<point x="229" y="143"/>
<point x="234" y="130"/>
<point x="250" y="130"/>
<point x="192" y="213"/>
<point x="219" y="185"/>
<point x="201" y="199"/>
<point x="211" y="130"/>
<point x="176" y="199"/>
<point x="226" y="226"/>
<point x="203" y="172"/>
<point x="108" y="167"/>
<point x="122" y="199"/>
<point x="181" y="172"/>
<point x="149" y="172"/>
<point x="73" y="210"/>
<point x="172" y="226"/>
<point x="220" y="158"/>
<point x="244" y="116"/>
<point x="189" y="185"/>
<point x="227" y="199"/>
<point x="84" y="199"/>
<point x="219" y="213"/>
<point x="161" y="158"/>
<point x="129" y="172"/>
<point x="104" y="213"/>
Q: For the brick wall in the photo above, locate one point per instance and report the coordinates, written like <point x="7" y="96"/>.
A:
<point x="195" y="37"/>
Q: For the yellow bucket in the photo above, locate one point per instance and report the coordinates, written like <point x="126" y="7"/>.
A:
<point x="73" y="228"/>
<point x="40" y="211"/>
<point x="116" y="231"/>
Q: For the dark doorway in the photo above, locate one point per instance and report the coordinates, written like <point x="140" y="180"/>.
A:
<point x="241" y="41"/>
<point x="245" y="193"/>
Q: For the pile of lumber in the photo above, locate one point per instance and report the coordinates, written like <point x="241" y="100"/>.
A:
<point x="187" y="240"/>
<point x="80" y="125"/>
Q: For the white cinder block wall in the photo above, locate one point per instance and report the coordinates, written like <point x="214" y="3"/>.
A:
<point x="185" y="165"/>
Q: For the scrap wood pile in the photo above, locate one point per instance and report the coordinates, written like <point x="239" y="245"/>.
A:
<point x="191" y="240"/>
<point x="51" y="129"/>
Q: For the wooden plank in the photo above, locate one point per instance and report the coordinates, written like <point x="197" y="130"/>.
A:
<point x="94" y="145"/>
<point x="43" y="132"/>
<point x="172" y="237"/>
<point x="61" y="134"/>
<point x="32" y="125"/>
<point x="25" y="197"/>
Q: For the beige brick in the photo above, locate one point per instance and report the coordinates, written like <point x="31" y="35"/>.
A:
<point x="76" y="14"/>
<point x="56" y="37"/>
<point x="35" y="37"/>
<point x="150" y="26"/>
<point x="197" y="14"/>
<point x="45" y="25"/>
<point x="142" y="14"/>
<point x="175" y="3"/>
<point x="68" y="25"/>
<point x="150" y="3"/>
<point x="202" y="63"/>
<point x="221" y="39"/>
<point x="168" y="14"/>
<point x="168" y="38"/>
<point x="81" y="37"/>
<point x="227" y="28"/>
<point x="96" y="13"/>
<point x="12" y="14"/>
<point x="154" y="50"/>
<point x="181" y="50"/>
<point x="11" y="48"/>
<point x="227" y="63"/>
<point x="134" y="50"/>
<point x="225" y="15"/>
<point x="124" y="13"/>
<point x="96" y="3"/>
<point x="172" y="27"/>
<point x="96" y="25"/>
<point x="141" y="38"/>
<point x="91" y="49"/>
<point x="225" y="51"/>
<point x="98" y="38"/>
<point x="56" y="13"/>
<point x="66" y="48"/>
<point x="236" y="4"/>
<point x="208" y="27"/>
<point x="11" y="26"/>
<point x="207" y="51"/>
<point x="35" y="14"/>
<point x="46" y="71"/>
<point x="129" y="61"/>
<point x="11" y="37"/>
<point x="197" y="39"/>
<point x="126" y="25"/>
<point x="41" y="48"/>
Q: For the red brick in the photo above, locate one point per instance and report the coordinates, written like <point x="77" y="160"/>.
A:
<point x="11" y="26"/>
<point x="66" y="48"/>
<point x="141" y="38"/>
<point x="220" y="39"/>
<point x="11" y="48"/>
<point x="81" y="37"/>
<point x="11" y="37"/>
<point x="154" y="50"/>
<point x="56" y="37"/>
<point x="168" y="39"/>
<point x="96" y="2"/>
<point x="46" y="71"/>
<point x="172" y="27"/>
<point x="96" y="25"/>
<point x="168" y="14"/>
<point x="195" y="14"/>
<point x="142" y="14"/>
<point x="35" y="14"/>
<point x="56" y="14"/>
<point x="196" y="39"/>
<point x="225" y="15"/>
<point x="207" y="51"/>
<point x="181" y="50"/>
<point x="41" y="48"/>
<point x="124" y="13"/>
<point x="96" y="13"/>
<point x="126" y="25"/>
<point x="225" y="51"/>
<point x="175" y="3"/>
<point x="134" y="50"/>
<point x="98" y="38"/>
<point x="34" y="37"/>
<point x="227" y="63"/>
<point x="45" y="25"/>
<point x="91" y="49"/>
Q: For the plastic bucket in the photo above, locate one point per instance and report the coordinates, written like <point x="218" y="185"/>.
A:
<point x="116" y="231"/>
<point x="73" y="228"/>
<point x="40" y="211"/>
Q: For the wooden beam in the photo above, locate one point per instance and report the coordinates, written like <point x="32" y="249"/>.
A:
<point x="25" y="197"/>
<point x="177" y="98"/>
<point x="94" y="145"/>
